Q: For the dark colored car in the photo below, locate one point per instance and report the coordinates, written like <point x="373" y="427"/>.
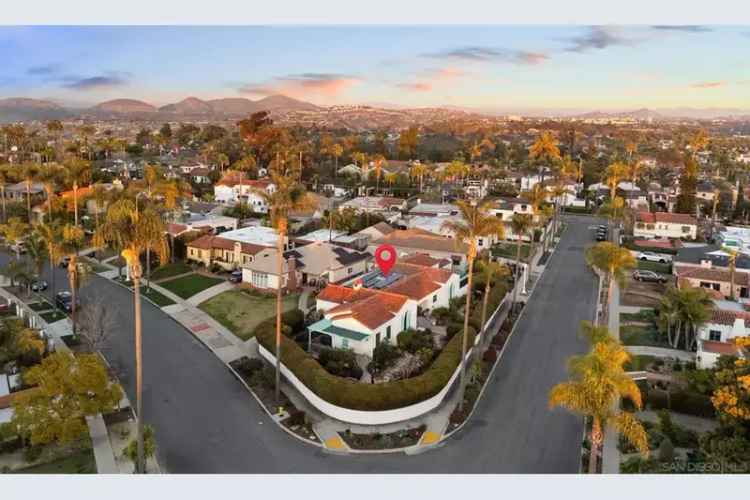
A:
<point x="649" y="276"/>
<point x="65" y="261"/>
<point x="64" y="301"/>
<point x="601" y="236"/>
<point x="235" y="277"/>
<point x="39" y="286"/>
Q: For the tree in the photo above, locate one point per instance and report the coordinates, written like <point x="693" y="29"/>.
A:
<point x="149" y="446"/>
<point x="51" y="234"/>
<point x="612" y="261"/>
<point x="596" y="334"/>
<point x="407" y="142"/>
<point x="134" y="231"/>
<point x="15" y="230"/>
<point x="5" y="177"/>
<point x="597" y="382"/>
<point x="688" y="187"/>
<point x="732" y="256"/>
<point x="378" y="161"/>
<point x="96" y="323"/>
<point x="536" y="196"/>
<point x="17" y="342"/>
<point x="614" y="174"/>
<point x="289" y="196"/>
<point x="475" y="223"/>
<point x="48" y="176"/>
<point x="545" y="149"/>
<point x="490" y="270"/>
<point x="72" y="238"/>
<point x="65" y="389"/>
<point x="77" y="174"/>
<point x="418" y="171"/>
<point x="29" y="173"/>
<point x="521" y="224"/>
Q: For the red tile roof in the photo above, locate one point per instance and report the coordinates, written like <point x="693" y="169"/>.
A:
<point x="423" y="259"/>
<point x="658" y="243"/>
<point x="210" y="242"/>
<point x="710" y="274"/>
<point x="722" y="348"/>
<point x="667" y="218"/>
<point x="727" y="317"/>
<point x="372" y="311"/>
<point x="176" y="229"/>
<point x="420" y="239"/>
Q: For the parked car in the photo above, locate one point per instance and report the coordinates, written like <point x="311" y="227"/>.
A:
<point x="64" y="301"/>
<point x="4" y="306"/>
<point x="235" y="277"/>
<point x="601" y="236"/>
<point x="19" y="248"/>
<point x="649" y="276"/>
<point x="39" y="286"/>
<point x="65" y="261"/>
<point x="654" y="257"/>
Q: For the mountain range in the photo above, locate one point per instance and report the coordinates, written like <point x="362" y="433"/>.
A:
<point x="283" y="107"/>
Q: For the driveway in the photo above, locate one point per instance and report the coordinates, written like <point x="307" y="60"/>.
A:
<point x="206" y="422"/>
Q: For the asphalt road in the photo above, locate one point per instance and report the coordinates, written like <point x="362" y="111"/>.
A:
<point x="206" y="422"/>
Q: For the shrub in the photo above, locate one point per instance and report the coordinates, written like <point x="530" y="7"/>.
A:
<point x="453" y="328"/>
<point x="441" y="315"/>
<point x="490" y="356"/>
<point x="370" y="397"/>
<point x="340" y="362"/>
<point x="296" y="417"/>
<point x="248" y="366"/>
<point x="413" y="340"/>
<point x="292" y="323"/>
<point x="666" y="450"/>
<point x="384" y="355"/>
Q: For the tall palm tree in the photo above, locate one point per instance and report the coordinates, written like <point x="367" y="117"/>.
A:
<point x="336" y="151"/>
<point x="171" y="192"/>
<point x="545" y="149"/>
<point x="378" y="161"/>
<point x="48" y="176"/>
<point x="694" y="307"/>
<point x="490" y="270"/>
<point x="289" y="196"/>
<point x="598" y="381"/>
<point x="535" y="197"/>
<point x="418" y="171"/>
<point x="613" y="261"/>
<point x="475" y="223"/>
<point x="732" y="256"/>
<point x="29" y="173"/>
<point x="615" y="173"/>
<point x="77" y="174"/>
<point x="521" y="224"/>
<point x="51" y="234"/>
<point x="133" y="231"/>
<point x="5" y="177"/>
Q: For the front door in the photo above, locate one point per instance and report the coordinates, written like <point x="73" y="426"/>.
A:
<point x="377" y="339"/>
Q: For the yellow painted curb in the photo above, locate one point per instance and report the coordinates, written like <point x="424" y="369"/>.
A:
<point x="335" y="443"/>
<point x="430" y="437"/>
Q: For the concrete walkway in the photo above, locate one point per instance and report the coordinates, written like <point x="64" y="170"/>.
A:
<point x="103" y="453"/>
<point x="303" y="297"/>
<point x="691" y="422"/>
<point x="208" y="293"/>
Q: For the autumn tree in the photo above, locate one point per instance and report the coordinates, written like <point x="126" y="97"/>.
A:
<point x="407" y="143"/>
<point x="65" y="390"/>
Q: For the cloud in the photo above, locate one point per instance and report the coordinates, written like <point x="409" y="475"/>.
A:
<point x="328" y="84"/>
<point x="416" y="86"/>
<point x="489" y="54"/>
<point x="109" y="80"/>
<point x="598" y="37"/>
<point x="43" y="70"/>
<point x="708" y="85"/>
<point x="682" y="27"/>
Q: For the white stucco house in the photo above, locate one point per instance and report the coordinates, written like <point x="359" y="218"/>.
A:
<point x="231" y="189"/>
<point x="716" y="336"/>
<point x="665" y="225"/>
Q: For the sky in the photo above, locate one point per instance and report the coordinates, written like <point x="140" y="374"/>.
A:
<point x="487" y="67"/>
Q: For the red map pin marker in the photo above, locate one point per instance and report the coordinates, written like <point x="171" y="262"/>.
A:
<point x="385" y="257"/>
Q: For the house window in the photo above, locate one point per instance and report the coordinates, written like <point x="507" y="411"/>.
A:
<point x="685" y="229"/>
<point x="714" y="335"/>
<point x="406" y="320"/>
<point x="480" y="242"/>
<point x="259" y="280"/>
<point x="345" y="343"/>
<point x="349" y="271"/>
<point x="388" y="332"/>
<point x="434" y="298"/>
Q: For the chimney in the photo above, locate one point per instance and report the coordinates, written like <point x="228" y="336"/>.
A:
<point x="291" y="284"/>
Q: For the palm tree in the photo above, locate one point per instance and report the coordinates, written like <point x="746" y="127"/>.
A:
<point x="598" y="382"/>
<point x="417" y="171"/>
<point x="378" y="161"/>
<point x="78" y="174"/>
<point x="490" y="270"/>
<point x="536" y="196"/>
<point x="171" y="192"/>
<point x="615" y="173"/>
<point x="732" y="255"/>
<point x="48" y="176"/>
<point x="29" y="174"/>
<point x="5" y="176"/>
<point x="476" y="223"/>
<point x="336" y="151"/>
<point x="612" y="261"/>
<point x="51" y="234"/>
<point x="545" y="149"/>
<point x="241" y="167"/>
<point x="595" y="334"/>
<point x="37" y="249"/>
<point x="133" y="231"/>
<point x="693" y="307"/>
<point x="521" y="224"/>
<point x="289" y="196"/>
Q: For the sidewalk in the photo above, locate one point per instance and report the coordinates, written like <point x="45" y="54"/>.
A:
<point x="661" y="352"/>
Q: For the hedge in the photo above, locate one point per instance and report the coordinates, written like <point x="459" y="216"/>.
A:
<point x="372" y="397"/>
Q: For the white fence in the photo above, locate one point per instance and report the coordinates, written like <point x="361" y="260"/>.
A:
<point x="382" y="417"/>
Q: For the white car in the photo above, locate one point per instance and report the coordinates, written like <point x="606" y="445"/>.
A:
<point x="654" y="257"/>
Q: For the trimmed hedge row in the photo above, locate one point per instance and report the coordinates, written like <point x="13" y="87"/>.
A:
<point x="372" y="397"/>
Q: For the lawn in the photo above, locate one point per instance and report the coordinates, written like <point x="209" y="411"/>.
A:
<point x="241" y="311"/>
<point x="95" y="265"/>
<point x="657" y="267"/>
<point x="189" y="285"/>
<point x="157" y="298"/>
<point x="509" y="250"/>
<point x="642" y="335"/>
<point x="170" y="270"/>
<point x="82" y="462"/>
<point x="52" y="316"/>
<point x="41" y="306"/>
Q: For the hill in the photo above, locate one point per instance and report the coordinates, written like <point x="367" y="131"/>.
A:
<point x="189" y="106"/>
<point x="124" y="106"/>
<point x="22" y="108"/>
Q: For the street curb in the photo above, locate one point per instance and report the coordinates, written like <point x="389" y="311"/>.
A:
<point x="231" y="370"/>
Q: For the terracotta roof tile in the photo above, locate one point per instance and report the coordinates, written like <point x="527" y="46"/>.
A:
<point x="666" y="217"/>
<point x="711" y="274"/>
<point x="209" y="242"/>
<point x="722" y="348"/>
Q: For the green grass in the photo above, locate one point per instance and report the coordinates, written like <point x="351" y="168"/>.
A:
<point x="639" y="363"/>
<point x="189" y="285"/>
<point x="52" y="316"/>
<point x="95" y="265"/>
<point x="643" y="316"/>
<point x="241" y="311"/>
<point x="169" y="270"/>
<point x="657" y="267"/>
<point x="41" y="306"/>
<point x="642" y="335"/>
<point x="82" y="462"/>
<point x="157" y="298"/>
<point x="509" y="250"/>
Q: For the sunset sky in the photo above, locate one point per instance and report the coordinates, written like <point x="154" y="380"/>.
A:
<point x="505" y="67"/>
